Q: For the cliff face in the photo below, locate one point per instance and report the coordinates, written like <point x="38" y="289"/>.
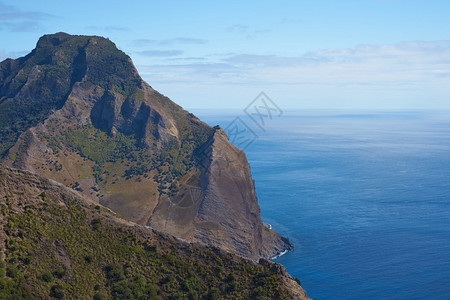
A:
<point x="220" y="206"/>
<point x="57" y="243"/>
<point x="228" y="187"/>
<point x="75" y="110"/>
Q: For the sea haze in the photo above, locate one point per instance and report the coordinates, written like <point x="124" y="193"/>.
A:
<point x="365" y="197"/>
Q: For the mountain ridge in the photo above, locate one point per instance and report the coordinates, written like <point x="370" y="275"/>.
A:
<point x="76" y="110"/>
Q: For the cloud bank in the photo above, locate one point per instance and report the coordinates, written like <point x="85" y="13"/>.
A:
<point x="385" y="65"/>
<point x="160" y="53"/>
<point x="404" y="70"/>
<point x="169" y="42"/>
<point x="14" y="19"/>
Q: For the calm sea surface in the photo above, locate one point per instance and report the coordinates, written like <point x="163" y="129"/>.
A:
<point x="364" y="196"/>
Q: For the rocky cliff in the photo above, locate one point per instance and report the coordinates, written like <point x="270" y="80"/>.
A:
<point x="58" y="244"/>
<point x="76" y="110"/>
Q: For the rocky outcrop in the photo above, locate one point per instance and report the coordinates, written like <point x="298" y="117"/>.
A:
<point x="75" y="110"/>
<point x="297" y="291"/>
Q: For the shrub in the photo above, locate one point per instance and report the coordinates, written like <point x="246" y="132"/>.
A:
<point x="13" y="272"/>
<point x="47" y="276"/>
<point x="28" y="260"/>
<point x="151" y="248"/>
<point x="2" y="269"/>
<point x="96" y="223"/>
<point x="59" y="272"/>
<point x="114" y="272"/>
<point x="99" y="296"/>
<point x="213" y="294"/>
<point x="88" y="259"/>
<point x="259" y="293"/>
<point x="57" y="291"/>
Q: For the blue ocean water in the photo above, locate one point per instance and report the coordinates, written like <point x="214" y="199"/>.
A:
<point x="364" y="196"/>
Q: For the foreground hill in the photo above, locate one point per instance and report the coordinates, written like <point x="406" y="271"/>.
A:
<point x="75" y="110"/>
<point x="58" y="244"/>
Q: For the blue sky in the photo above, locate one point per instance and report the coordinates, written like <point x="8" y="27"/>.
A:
<point x="372" y="54"/>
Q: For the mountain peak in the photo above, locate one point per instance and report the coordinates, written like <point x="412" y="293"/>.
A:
<point x="52" y="39"/>
<point x="75" y="110"/>
<point x="56" y="39"/>
<point x="105" y="65"/>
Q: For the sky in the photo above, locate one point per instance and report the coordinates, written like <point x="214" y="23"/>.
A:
<point x="371" y="54"/>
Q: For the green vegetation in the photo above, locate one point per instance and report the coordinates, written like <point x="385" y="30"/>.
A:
<point x="46" y="75"/>
<point x="45" y="94"/>
<point x="99" y="147"/>
<point x="171" y="161"/>
<point x="111" y="69"/>
<point x="73" y="251"/>
<point x="45" y="80"/>
<point x="179" y="157"/>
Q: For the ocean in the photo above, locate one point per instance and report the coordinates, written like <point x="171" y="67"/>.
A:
<point x="364" y="196"/>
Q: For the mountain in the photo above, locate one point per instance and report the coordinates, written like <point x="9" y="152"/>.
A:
<point x="58" y="244"/>
<point x="75" y="110"/>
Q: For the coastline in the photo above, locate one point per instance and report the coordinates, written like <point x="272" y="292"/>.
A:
<point x="279" y="254"/>
<point x="282" y="251"/>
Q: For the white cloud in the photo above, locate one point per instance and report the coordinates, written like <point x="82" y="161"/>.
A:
<point x="404" y="70"/>
<point x="247" y="31"/>
<point x="14" y="19"/>
<point x="170" y="42"/>
<point x="239" y="28"/>
<point x="366" y="64"/>
<point x="108" y="28"/>
<point x="160" y="53"/>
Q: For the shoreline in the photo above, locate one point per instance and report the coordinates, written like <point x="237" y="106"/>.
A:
<point x="279" y="254"/>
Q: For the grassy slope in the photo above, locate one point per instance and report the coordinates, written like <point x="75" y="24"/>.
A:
<point x="72" y="249"/>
